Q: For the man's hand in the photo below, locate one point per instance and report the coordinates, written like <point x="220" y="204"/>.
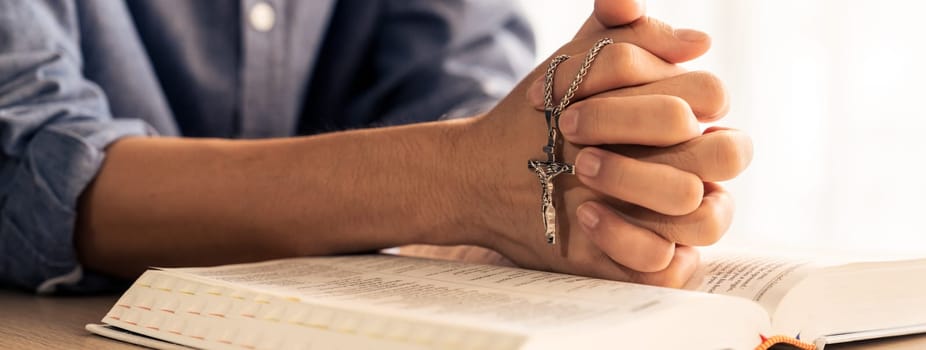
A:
<point x="645" y="186"/>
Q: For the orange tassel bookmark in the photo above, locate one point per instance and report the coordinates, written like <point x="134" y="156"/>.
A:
<point x="769" y="342"/>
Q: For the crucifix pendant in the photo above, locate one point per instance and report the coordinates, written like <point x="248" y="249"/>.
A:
<point x="546" y="171"/>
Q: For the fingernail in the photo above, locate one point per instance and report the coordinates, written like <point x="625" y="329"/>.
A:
<point x="690" y="35"/>
<point x="588" y="216"/>
<point x="568" y="121"/>
<point x="535" y="93"/>
<point x="588" y="163"/>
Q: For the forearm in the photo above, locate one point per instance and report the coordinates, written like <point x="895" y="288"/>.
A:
<point x="167" y="202"/>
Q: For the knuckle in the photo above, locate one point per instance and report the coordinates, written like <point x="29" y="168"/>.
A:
<point x="679" y="119"/>
<point x="625" y="56"/>
<point x="713" y="91"/>
<point x="689" y="193"/>
<point x="709" y="226"/>
<point x="730" y="155"/>
<point x="659" y="257"/>
<point x="674" y="105"/>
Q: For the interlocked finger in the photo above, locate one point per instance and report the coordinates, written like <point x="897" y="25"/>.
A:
<point x="715" y="156"/>
<point x="632" y="246"/>
<point x="653" y="120"/>
<point x="683" y="265"/>
<point x="703" y="91"/>
<point x="659" y="187"/>
<point x="705" y="226"/>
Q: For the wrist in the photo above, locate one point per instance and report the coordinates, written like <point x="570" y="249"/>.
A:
<point x="460" y="181"/>
<point x="504" y="193"/>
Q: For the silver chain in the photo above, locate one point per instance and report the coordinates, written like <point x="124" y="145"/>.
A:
<point x="550" y="168"/>
<point x="580" y="77"/>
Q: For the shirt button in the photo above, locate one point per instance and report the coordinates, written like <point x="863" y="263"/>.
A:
<point x="262" y="16"/>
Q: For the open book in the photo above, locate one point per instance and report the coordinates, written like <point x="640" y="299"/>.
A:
<point x="393" y="302"/>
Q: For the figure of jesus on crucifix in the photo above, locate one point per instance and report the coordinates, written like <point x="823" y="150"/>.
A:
<point x="546" y="171"/>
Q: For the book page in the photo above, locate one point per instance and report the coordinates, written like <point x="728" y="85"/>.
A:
<point x="432" y="288"/>
<point x="763" y="279"/>
<point x="394" y="302"/>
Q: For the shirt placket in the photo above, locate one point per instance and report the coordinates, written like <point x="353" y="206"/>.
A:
<point x="262" y="78"/>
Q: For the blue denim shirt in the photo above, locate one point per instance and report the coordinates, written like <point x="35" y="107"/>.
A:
<point x="76" y="75"/>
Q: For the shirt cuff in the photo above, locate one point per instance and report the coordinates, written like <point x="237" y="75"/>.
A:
<point x="39" y="203"/>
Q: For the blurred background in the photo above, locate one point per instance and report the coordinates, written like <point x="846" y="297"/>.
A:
<point x="832" y="92"/>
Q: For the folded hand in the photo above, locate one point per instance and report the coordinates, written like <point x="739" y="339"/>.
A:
<point x="645" y="186"/>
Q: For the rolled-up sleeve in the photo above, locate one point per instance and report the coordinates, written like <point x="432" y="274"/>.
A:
<point x="54" y="127"/>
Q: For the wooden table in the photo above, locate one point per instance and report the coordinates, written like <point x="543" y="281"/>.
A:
<point x="31" y="322"/>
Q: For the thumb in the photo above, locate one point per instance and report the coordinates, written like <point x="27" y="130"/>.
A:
<point x="671" y="44"/>
<point x="612" y="13"/>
